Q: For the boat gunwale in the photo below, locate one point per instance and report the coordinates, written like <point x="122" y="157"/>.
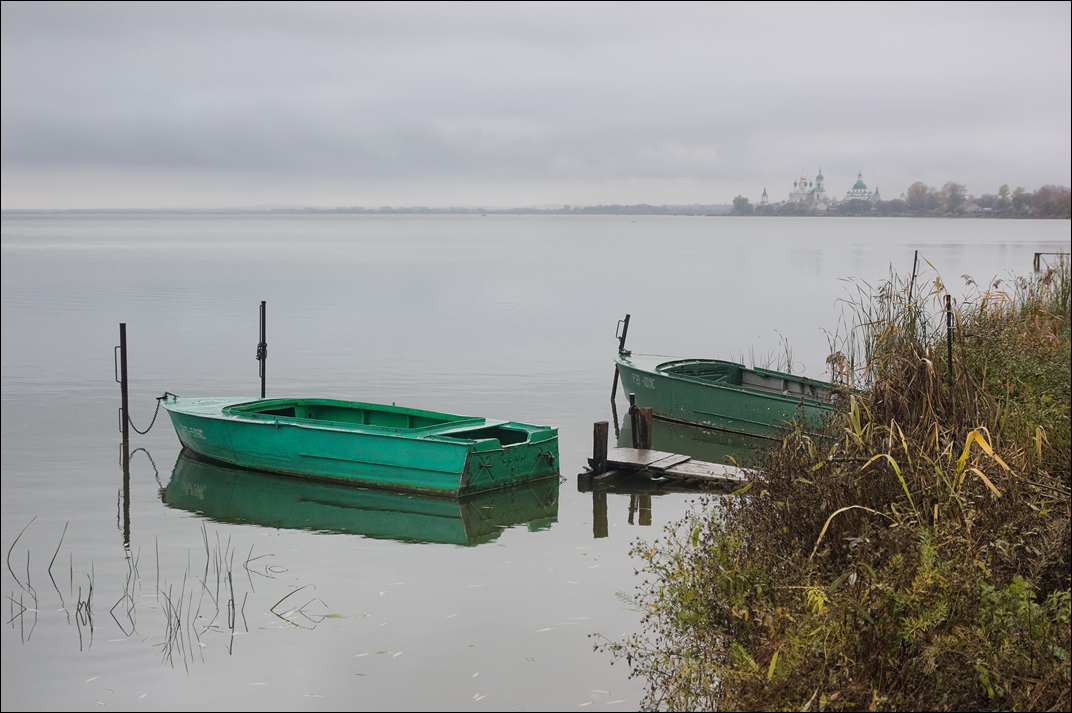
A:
<point x="658" y="370"/>
<point x="441" y="433"/>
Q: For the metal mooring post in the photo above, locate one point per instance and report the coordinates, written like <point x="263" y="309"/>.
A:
<point x="912" y="284"/>
<point x="949" y="337"/>
<point x="262" y="350"/>
<point x="623" y="325"/>
<point x="125" y="421"/>
<point x="122" y="379"/>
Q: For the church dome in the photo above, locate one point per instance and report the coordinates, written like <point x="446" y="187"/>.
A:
<point x="859" y="185"/>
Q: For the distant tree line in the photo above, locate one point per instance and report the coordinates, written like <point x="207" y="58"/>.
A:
<point x="951" y="200"/>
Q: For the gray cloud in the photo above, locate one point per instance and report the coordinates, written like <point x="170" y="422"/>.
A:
<point x="233" y="104"/>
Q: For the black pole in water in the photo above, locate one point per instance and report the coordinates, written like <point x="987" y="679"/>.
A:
<point x="621" y="350"/>
<point x="912" y="284"/>
<point x="125" y="420"/>
<point x="949" y="338"/>
<point x="262" y="349"/>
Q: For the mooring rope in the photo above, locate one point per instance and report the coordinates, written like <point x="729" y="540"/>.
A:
<point x="156" y="413"/>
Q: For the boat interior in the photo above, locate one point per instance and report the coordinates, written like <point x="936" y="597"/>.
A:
<point x="392" y="417"/>
<point x="731" y="374"/>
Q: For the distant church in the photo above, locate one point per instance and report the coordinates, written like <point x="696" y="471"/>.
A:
<point x="859" y="191"/>
<point x="810" y="193"/>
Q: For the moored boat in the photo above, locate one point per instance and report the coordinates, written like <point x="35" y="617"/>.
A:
<point x="365" y="444"/>
<point x="722" y="395"/>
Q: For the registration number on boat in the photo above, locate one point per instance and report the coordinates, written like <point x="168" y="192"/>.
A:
<point x="648" y="382"/>
<point x="193" y="432"/>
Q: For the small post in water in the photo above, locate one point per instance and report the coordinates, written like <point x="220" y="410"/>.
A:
<point x="644" y="423"/>
<point x="262" y="350"/>
<point x="125" y="421"/>
<point x="634" y="416"/>
<point x="600" y="434"/>
<point x="949" y="337"/>
<point x="912" y="284"/>
<point x="123" y="418"/>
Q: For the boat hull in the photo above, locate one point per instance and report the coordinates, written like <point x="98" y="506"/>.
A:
<point x="727" y="402"/>
<point x="449" y="459"/>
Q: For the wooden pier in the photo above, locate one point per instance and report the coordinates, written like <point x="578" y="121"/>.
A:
<point x="608" y="464"/>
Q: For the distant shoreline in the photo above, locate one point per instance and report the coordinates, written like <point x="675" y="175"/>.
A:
<point x="638" y="209"/>
<point x="711" y="210"/>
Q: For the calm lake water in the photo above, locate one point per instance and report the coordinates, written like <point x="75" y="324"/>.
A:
<point x="351" y="599"/>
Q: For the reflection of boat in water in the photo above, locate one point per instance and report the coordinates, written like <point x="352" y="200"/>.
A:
<point x="236" y="495"/>
<point x="701" y="444"/>
<point x="722" y="395"/>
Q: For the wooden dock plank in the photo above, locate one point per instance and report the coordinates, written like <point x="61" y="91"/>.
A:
<point x="669" y="462"/>
<point x="675" y="465"/>
<point x="634" y="457"/>
<point x="709" y="471"/>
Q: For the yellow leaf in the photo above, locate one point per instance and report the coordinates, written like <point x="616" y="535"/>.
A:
<point x="986" y="480"/>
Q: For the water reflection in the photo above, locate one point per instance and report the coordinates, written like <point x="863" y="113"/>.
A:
<point x="700" y="443"/>
<point x="703" y="444"/>
<point x="226" y="494"/>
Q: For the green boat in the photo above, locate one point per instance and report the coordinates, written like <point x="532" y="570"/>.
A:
<point x="235" y="495"/>
<point x="366" y="444"/>
<point x="722" y="395"/>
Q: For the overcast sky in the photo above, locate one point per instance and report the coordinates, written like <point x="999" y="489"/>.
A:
<point x="225" y="105"/>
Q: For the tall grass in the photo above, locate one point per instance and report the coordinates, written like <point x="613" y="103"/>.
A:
<point x="916" y="556"/>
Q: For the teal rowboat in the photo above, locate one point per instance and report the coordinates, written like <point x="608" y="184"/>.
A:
<point x="236" y="495"/>
<point x="366" y="444"/>
<point x="723" y="395"/>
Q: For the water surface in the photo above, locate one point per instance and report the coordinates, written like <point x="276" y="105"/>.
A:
<point x="490" y="604"/>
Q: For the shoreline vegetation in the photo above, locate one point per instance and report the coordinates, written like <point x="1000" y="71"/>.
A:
<point x="952" y="200"/>
<point x="913" y="557"/>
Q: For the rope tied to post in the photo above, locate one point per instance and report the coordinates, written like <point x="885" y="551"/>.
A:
<point x="262" y="351"/>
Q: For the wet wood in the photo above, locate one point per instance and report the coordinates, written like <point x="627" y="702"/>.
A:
<point x="599" y="447"/>
<point x="644" y="427"/>
<point x="635" y="457"/>
<point x="675" y="465"/>
<point x="669" y="462"/>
